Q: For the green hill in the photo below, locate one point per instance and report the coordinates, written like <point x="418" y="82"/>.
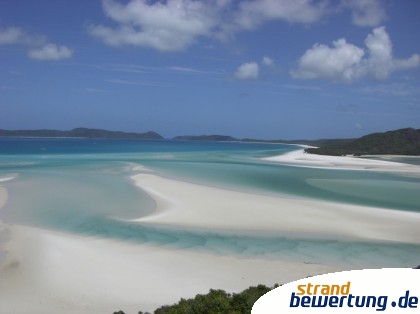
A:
<point x="398" y="142"/>
<point x="81" y="132"/>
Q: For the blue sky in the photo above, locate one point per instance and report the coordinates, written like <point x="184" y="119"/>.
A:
<point x="265" y="69"/>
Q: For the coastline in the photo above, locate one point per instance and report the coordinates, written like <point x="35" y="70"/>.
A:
<point x="49" y="271"/>
<point x="301" y="159"/>
<point x="46" y="271"/>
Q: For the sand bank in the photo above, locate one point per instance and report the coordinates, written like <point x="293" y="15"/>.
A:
<point x="191" y="205"/>
<point x="49" y="272"/>
<point x="44" y="271"/>
<point x="300" y="158"/>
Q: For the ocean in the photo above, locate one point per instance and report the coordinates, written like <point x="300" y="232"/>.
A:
<point x="83" y="186"/>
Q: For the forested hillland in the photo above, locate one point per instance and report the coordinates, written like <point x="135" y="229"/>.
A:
<point x="398" y="142"/>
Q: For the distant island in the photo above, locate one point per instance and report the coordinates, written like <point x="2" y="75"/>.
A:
<point x="106" y="134"/>
<point x="226" y="138"/>
<point x="398" y="142"/>
<point x="82" y="133"/>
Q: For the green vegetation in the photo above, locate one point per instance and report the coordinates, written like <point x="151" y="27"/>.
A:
<point x="399" y="142"/>
<point x="215" y="302"/>
<point x="81" y="132"/>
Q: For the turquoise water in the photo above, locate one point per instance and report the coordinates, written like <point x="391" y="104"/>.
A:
<point x="83" y="186"/>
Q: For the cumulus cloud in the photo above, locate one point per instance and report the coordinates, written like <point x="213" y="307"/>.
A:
<point x="252" y="70"/>
<point x="51" y="52"/>
<point x="167" y="26"/>
<point x="380" y="59"/>
<point x="253" y="13"/>
<point x="40" y="48"/>
<point x="366" y="12"/>
<point x="175" y="25"/>
<point x="340" y="62"/>
<point x="247" y="71"/>
<point x="347" y="62"/>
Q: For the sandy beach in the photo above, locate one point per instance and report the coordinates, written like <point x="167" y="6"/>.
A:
<point x="48" y="272"/>
<point x="44" y="271"/>
<point x="302" y="159"/>
<point x="191" y="205"/>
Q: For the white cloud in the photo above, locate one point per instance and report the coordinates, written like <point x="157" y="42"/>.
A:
<point x="169" y="26"/>
<point x="253" y="13"/>
<point x="347" y="62"/>
<point x="267" y="61"/>
<point x="51" y="52"/>
<point x="380" y="53"/>
<point x="174" y="25"/>
<point x="40" y="48"/>
<point x="337" y="63"/>
<point x="381" y="62"/>
<point x="253" y="70"/>
<point x="17" y="36"/>
<point x="366" y="12"/>
<point x="412" y="62"/>
<point x="11" y="35"/>
<point x="247" y="71"/>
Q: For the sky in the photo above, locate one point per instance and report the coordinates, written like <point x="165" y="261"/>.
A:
<point x="267" y="69"/>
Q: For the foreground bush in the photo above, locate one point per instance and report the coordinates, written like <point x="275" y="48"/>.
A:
<point x="215" y="302"/>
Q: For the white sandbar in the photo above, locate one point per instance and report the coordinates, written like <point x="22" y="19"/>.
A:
<point x="43" y="271"/>
<point x="300" y="158"/>
<point x="191" y="205"/>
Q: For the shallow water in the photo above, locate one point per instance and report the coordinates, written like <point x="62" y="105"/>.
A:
<point x="83" y="186"/>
